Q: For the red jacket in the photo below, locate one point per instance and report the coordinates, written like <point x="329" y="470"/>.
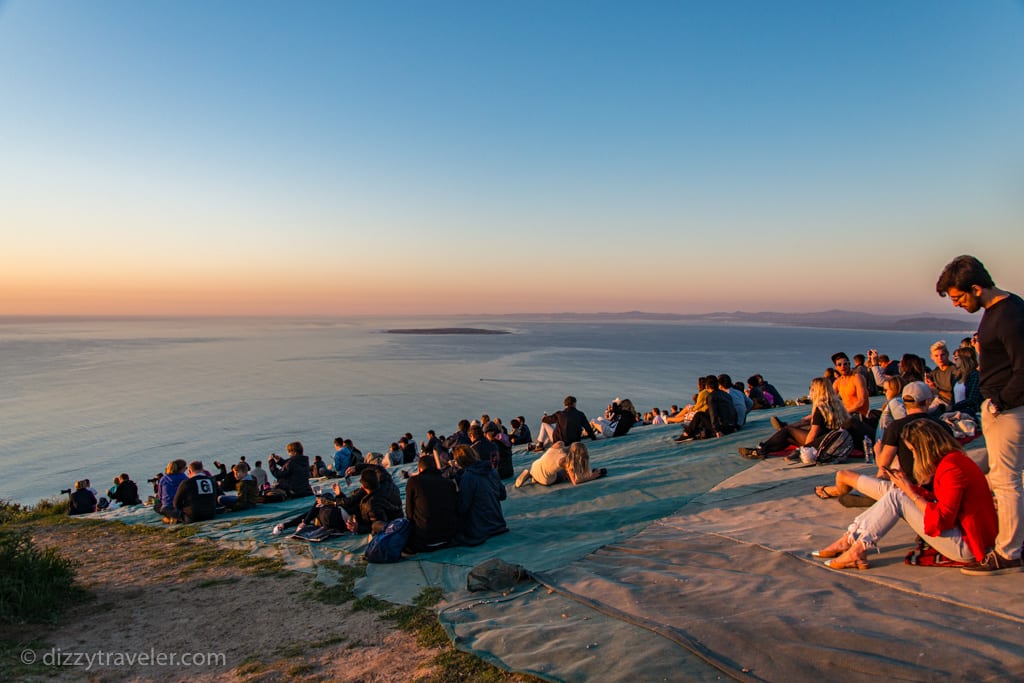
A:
<point x="963" y="499"/>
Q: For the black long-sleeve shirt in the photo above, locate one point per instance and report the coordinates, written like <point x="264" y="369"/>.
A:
<point x="1001" y="353"/>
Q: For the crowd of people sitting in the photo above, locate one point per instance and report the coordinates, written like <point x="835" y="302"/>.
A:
<point x="923" y="475"/>
<point x="454" y="496"/>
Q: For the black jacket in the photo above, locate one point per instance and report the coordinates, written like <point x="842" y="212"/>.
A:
<point x="431" y="504"/>
<point x="197" y="498"/>
<point x="292" y="475"/>
<point x="126" y="493"/>
<point x="570" y="425"/>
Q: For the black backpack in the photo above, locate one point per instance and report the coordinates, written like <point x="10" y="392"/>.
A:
<point x="835" y="447"/>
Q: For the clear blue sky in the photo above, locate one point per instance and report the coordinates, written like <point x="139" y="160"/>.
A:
<point x="399" y="157"/>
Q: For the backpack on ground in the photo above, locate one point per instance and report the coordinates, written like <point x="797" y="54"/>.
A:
<point x="387" y="546"/>
<point x="835" y="447"/>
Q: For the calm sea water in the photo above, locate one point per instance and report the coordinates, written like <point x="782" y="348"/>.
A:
<point x="90" y="399"/>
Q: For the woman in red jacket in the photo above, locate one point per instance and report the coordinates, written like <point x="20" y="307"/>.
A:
<point x="957" y="518"/>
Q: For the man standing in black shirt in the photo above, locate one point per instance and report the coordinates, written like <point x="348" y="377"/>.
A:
<point x="1001" y="356"/>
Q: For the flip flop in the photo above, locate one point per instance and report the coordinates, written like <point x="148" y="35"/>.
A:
<point x="823" y="494"/>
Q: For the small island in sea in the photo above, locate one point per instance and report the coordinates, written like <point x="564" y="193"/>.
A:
<point x="446" y="330"/>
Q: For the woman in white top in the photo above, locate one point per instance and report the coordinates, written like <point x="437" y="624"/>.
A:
<point x="558" y="465"/>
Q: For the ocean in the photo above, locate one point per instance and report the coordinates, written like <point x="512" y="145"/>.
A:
<point x="91" y="398"/>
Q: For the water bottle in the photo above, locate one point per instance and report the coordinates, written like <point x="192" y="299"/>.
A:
<point x="868" y="452"/>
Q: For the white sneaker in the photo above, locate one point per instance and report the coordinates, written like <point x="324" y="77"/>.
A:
<point x="278" y="529"/>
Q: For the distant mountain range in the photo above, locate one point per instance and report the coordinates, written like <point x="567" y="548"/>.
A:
<point x="834" y="319"/>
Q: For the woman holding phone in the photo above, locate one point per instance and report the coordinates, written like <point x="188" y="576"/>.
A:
<point x="957" y="518"/>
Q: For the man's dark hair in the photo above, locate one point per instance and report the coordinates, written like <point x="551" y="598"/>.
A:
<point x="515" y="422"/>
<point x="711" y="382"/>
<point x="724" y="381"/>
<point x="369" y="479"/>
<point x="859" y="358"/>
<point x="196" y="466"/>
<point x="339" y="442"/>
<point x="755" y="380"/>
<point x="569" y="401"/>
<point x="295" y="448"/>
<point x="463" y="425"/>
<point x="476" y="432"/>
<point x="426" y="463"/>
<point x="839" y="356"/>
<point x="963" y="272"/>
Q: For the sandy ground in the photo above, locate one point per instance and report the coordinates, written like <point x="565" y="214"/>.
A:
<point x="148" y="599"/>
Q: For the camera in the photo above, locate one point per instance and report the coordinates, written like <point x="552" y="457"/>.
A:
<point x="67" y="491"/>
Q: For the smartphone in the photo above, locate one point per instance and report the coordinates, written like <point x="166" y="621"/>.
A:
<point x="317" y="490"/>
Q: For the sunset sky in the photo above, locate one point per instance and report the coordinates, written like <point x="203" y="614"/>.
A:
<point x="402" y="157"/>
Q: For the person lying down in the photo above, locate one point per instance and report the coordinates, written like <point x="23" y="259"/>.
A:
<point x="558" y="465"/>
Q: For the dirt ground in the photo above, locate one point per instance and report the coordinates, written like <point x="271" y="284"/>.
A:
<point x="235" y="625"/>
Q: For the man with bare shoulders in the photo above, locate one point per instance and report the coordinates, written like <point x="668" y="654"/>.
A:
<point x="851" y="386"/>
<point x="1001" y="341"/>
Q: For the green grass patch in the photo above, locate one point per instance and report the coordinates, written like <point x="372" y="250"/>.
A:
<point x="421" y="621"/>
<point x="454" y="665"/>
<point x="341" y="592"/>
<point x="369" y="603"/>
<point x="48" y="508"/>
<point x="35" y="585"/>
<point x="12" y="666"/>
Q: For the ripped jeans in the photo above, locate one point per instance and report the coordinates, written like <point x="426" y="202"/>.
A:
<point x="893" y="505"/>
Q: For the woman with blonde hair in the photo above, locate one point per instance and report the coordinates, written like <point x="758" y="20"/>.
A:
<point x="174" y="475"/>
<point x="558" y="465"/>
<point x="956" y="518"/>
<point x="827" y="413"/>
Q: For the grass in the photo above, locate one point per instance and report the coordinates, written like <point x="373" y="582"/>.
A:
<point x="35" y="585"/>
<point x="341" y="592"/>
<point x="52" y="509"/>
<point x="12" y="666"/>
<point x="421" y="621"/>
<point x="193" y="554"/>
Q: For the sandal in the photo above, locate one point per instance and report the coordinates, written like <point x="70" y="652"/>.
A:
<point x="834" y="550"/>
<point x="852" y="563"/>
<point x="853" y="558"/>
<point x="822" y="492"/>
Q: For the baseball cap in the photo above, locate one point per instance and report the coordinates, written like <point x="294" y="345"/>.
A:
<point x="917" y="393"/>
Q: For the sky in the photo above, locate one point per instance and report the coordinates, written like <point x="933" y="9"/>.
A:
<point x="430" y="157"/>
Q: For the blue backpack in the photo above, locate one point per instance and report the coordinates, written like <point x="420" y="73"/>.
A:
<point x="387" y="546"/>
